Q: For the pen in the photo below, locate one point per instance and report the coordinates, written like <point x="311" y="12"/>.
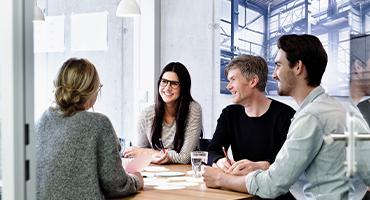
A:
<point x="227" y="158"/>
<point x="204" y="163"/>
<point x="160" y="141"/>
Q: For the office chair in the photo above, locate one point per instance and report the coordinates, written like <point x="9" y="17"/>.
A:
<point x="203" y="142"/>
<point x="124" y="143"/>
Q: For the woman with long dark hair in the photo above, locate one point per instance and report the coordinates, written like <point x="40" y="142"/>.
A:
<point x="175" y="119"/>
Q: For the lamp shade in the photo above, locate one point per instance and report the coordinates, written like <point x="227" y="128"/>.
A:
<point x="128" y="8"/>
<point x="38" y="14"/>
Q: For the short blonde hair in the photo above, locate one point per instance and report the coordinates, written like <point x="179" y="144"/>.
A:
<point x="76" y="83"/>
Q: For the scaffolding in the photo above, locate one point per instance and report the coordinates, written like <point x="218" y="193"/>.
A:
<point x="332" y="21"/>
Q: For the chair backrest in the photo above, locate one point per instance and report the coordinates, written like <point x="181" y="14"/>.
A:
<point x="203" y="142"/>
<point x="124" y="144"/>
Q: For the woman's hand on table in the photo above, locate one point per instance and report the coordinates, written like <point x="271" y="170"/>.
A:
<point x="133" y="152"/>
<point x="160" y="159"/>
<point x="244" y="167"/>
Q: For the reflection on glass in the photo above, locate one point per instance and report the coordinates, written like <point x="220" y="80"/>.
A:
<point x="359" y="91"/>
<point x="341" y="27"/>
<point x="360" y="72"/>
<point x="1" y="171"/>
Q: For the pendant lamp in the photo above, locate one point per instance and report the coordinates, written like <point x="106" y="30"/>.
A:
<point x="128" y="8"/>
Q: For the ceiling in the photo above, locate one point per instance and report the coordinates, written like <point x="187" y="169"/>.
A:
<point x="262" y="4"/>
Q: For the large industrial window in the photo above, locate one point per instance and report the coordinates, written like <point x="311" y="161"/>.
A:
<point x="260" y="25"/>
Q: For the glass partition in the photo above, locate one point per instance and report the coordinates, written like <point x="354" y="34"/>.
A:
<point x="90" y="30"/>
<point x="342" y="27"/>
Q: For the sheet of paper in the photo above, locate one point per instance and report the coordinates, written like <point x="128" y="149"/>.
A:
<point x="89" y="31"/>
<point x="139" y="163"/>
<point x="156" y="169"/>
<point x="184" y="184"/>
<point x="155" y="182"/>
<point x="48" y="36"/>
<point x="179" y="178"/>
<point x="126" y="161"/>
<point x="169" y="174"/>
<point x="168" y="187"/>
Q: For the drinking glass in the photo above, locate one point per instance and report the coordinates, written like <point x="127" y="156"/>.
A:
<point x="196" y="161"/>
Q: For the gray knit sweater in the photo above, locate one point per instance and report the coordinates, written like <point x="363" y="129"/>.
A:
<point x="193" y="128"/>
<point x="78" y="157"/>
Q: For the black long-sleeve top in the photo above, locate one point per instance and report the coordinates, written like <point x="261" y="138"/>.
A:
<point x="364" y="107"/>
<point x="252" y="138"/>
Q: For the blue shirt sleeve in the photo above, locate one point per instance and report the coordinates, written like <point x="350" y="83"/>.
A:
<point x="303" y="142"/>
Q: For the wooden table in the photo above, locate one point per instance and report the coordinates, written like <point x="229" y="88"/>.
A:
<point x="190" y="192"/>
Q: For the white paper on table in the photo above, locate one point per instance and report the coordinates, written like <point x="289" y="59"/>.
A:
<point x="139" y="163"/>
<point x="156" y="169"/>
<point x="168" y="187"/>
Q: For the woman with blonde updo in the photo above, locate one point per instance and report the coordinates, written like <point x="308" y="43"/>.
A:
<point x="77" y="152"/>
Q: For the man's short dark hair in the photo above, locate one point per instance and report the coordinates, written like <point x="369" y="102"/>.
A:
<point x="249" y="67"/>
<point x="310" y="51"/>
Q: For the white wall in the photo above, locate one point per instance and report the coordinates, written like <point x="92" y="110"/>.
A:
<point x="190" y="35"/>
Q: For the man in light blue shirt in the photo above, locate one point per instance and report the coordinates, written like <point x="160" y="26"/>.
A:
<point x="306" y="165"/>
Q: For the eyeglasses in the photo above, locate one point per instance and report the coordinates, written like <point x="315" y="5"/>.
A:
<point x="173" y="84"/>
<point x="100" y="86"/>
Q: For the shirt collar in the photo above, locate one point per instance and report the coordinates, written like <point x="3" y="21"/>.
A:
<point x="310" y="98"/>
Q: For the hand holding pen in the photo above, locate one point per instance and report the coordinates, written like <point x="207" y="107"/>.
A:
<point x="227" y="157"/>
<point x="160" y="141"/>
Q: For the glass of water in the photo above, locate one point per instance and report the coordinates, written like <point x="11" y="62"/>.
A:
<point x="196" y="161"/>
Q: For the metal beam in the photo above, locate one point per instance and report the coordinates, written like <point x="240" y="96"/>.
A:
<point x="267" y="33"/>
<point x="234" y="24"/>
<point x="253" y="20"/>
<point x="362" y="17"/>
<point x="365" y="6"/>
<point x="307" y="23"/>
<point x="273" y="8"/>
<point x="290" y="8"/>
<point x="334" y="17"/>
<point x="254" y="31"/>
<point x="227" y="53"/>
<point x="251" y="6"/>
<point x="333" y="42"/>
<point x="261" y="45"/>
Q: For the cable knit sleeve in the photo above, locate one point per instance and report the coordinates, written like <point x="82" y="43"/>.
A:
<point x="144" y="127"/>
<point x="113" y="180"/>
<point x="192" y="132"/>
